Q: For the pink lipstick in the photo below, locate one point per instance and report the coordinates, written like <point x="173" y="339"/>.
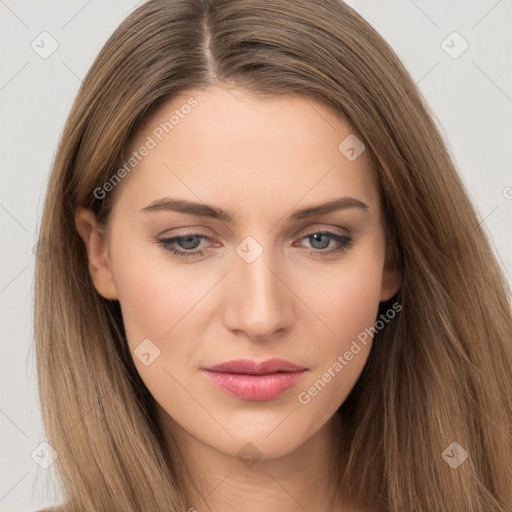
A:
<point x="252" y="380"/>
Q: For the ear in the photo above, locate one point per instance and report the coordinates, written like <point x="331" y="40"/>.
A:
<point x="94" y="237"/>
<point x="391" y="279"/>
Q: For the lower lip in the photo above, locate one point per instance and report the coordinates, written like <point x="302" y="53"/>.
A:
<point x="255" y="387"/>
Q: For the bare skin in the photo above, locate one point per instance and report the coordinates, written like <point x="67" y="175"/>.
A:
<point x="260" y="160"/>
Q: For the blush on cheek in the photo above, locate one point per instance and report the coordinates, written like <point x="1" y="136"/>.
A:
<point x="147" y="305"/>
<point x="350" y="304"/>
<point x="155" y="298"/>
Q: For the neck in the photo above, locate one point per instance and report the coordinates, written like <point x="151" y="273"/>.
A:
<point x="300" y="480"/>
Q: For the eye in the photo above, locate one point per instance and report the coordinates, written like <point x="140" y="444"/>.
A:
<point x="188" y="242"/>
<point x="186" y="246"/>
<point x="320" y="240"/>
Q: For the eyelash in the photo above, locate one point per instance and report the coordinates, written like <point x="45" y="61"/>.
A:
<point x="344" y="241"/>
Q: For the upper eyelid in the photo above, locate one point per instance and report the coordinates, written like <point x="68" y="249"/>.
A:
<point x="309" y="231"/>
<point x="328" y="231"/>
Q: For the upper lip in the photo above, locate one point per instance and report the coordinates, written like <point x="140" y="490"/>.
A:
<point x="250" y="367"/>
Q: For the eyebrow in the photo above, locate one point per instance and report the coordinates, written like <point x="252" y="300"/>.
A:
<point x="204" y="210"/>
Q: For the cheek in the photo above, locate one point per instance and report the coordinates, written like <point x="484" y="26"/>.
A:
<point x="154" y="294"/>
<point x="157" y="305"/>
<point x="346" y="301"/>
<point x="162" y="302"/>
<point x="147" y="301"/>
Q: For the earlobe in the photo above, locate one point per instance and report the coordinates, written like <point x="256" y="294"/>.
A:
<point x="96" y="248"/>
<point x="391" y="281"/>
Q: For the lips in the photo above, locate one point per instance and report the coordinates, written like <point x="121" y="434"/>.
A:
<point x="248" y="367"/>
<point x="253" y="380"/>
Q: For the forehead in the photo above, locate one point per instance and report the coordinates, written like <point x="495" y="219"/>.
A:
<point x="220" y="144"/>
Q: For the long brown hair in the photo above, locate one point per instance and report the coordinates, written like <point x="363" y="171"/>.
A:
<point x="439" y="373"/>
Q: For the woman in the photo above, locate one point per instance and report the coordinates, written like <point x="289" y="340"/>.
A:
<point x="268" y="289"/>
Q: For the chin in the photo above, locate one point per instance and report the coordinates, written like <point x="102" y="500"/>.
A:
<point x="268" y="438"/>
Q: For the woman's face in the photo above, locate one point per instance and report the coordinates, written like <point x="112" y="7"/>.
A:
<point x="237" y="184"/>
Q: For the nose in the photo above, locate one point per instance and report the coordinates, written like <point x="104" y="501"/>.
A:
<point x="260" y="304"/>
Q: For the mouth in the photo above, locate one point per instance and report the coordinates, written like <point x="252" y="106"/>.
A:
<point x="255" y="381"/>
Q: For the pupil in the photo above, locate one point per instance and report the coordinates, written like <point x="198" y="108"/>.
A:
<point x="317" y="237"/>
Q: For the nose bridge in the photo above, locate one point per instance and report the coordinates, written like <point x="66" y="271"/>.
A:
<point x="260" y="303"/>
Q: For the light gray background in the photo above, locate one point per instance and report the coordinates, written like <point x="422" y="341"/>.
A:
<point x="470" y="95"/>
